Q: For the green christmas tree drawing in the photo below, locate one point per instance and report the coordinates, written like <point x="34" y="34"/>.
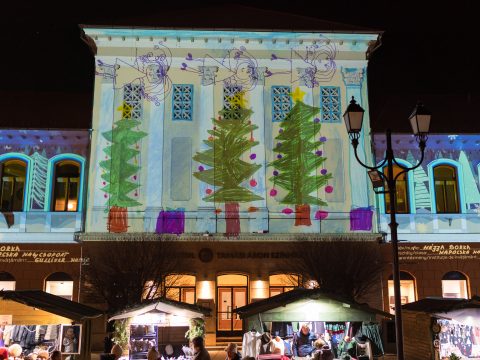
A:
<point x="229" y="140"/>
<point x="298" y="159"/>
<point x="420" y="178"/>
<point x="118" y="169"/>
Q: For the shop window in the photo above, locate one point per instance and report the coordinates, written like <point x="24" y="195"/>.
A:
<point x="7" y="281"/>
<point x="407" y="290"/>
<point x="67" y="186"/>
<point x="454" y="285"/>
<point x="281" y="283"/>
<point x="60" y="284"/>
<point x="446" y="189"/>
<point x="12" y="192"/>
<point x="281" y="102"/>
<point x="401" y="196"/>
<point x="181" y="287"/>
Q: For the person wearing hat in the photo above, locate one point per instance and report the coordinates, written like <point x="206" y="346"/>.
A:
<point x="302" y="344"/>
<point x="199" y="350"/>
<point x="232" y="352"/>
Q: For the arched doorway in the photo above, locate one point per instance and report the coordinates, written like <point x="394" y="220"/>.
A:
<point x="232" y="292"/>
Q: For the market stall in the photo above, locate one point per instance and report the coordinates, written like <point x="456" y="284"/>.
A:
<point x="38" y="321"/>
<point x="327" y="316"/>
<point x="159" y="323"/>
<point x="436" y="328"/>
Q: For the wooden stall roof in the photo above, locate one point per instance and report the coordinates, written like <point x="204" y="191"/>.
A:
<point x="52" y="304"/>
<point x="434" y="305"/>
<point x="164" y="305"/>
<point x="300" y="295"/>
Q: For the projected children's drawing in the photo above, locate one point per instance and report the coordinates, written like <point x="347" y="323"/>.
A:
<point x="229" y="140"/>
<point x="118" y="169"/>
<point x="298" y="159"/>
<point x="149" y="70"/>
<point x="237" y="67"/>
<point x="317" y="63"/>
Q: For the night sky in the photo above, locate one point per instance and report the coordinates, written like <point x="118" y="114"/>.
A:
<point x="427" y="53"/>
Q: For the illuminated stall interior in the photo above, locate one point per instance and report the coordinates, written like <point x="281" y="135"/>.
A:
<point x="159" y="323"/>
<point x="47" y="316"/>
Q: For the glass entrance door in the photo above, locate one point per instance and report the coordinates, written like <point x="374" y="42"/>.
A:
<point x="229" y="298"/>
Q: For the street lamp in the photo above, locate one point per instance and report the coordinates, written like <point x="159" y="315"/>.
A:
<point x="420" y="123"/>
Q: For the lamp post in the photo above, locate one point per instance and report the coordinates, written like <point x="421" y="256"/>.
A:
<point x="420" y="123"/>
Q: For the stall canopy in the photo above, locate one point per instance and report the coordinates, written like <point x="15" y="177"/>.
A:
<point x="308" y="305"/>
<point x="51" y="303"/>
<point x="175" y="308"/>
<point x="466" y="311"/>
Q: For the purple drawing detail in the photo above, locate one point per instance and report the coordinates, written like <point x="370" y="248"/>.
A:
<point x="171" y="222"/>
<point x="361" y="219"/>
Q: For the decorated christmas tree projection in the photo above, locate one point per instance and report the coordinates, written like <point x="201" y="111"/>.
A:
<point x="298" y="158"/>
<point x="422" y="196"/>
<point x="229" y="139"/>
<point x="118" y="169"/>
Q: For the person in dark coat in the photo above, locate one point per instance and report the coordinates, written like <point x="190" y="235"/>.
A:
<point x="199" y="350"/>
<point x="232" y="352"/>
<point x="303" y="341"/>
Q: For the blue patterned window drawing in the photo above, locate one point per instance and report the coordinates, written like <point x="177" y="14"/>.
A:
<point x="231" y="98"/>
<point x="182" y="102"/>
<point x="281" y="102"/>
<point x="330" y="104"/>
<point x="133" y="102"/>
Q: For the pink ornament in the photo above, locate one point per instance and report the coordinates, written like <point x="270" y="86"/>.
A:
<point x="105" y="196"/>
<point x="104" y="183"/>
<point x="321" y="215"/>
<point x="329" y="189"/>
<point x="134" y="177"/>
<point x="208" y="191"/>
<point x="253" y="182"/>
<point x="287" y="211"/>
<point x="273" y="192"/>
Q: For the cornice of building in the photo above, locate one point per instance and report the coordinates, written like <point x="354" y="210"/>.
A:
<point x="253" y="237"/>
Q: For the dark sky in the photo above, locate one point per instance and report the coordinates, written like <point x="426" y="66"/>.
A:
<point x="427" y="54"/>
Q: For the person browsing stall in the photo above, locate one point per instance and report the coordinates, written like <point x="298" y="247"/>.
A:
<point x="303" y="341"/>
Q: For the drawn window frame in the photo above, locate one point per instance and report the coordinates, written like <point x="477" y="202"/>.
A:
<point x="11" y="159"/>
<point x="182" y="102"/>
<point x="281" y="102"/>
<point x="330" y="104"/>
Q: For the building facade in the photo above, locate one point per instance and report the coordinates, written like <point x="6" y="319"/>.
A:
<point x="437" y="213"/>
<point x="43" y="182"/>
<point x="178" y="114"/>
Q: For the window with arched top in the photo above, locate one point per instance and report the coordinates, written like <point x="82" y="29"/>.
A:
<point x="454" y="285"/>
<point x="446" y="189"/>
<point x="60" y="284"/>
<point x="407" y="290"/>
<point x="12" y="192"/>
<point x="66" y="186"/>
<point x="401" y="196"/>
<point x="280" y="283"/>
<point x="7" y="281"/>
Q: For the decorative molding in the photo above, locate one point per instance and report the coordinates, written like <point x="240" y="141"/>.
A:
<point x="352" y="76"/>
<point x="208" y="74"/>
<point x="197" y="237"/>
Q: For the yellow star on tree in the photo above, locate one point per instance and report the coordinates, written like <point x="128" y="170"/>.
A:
<point x="126" y="110"/>
<point x="298" y="94"/>
<point x="238" y="100"/>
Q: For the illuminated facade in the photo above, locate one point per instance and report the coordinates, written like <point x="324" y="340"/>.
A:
<point x="43" y="181"/>
<point x="178" y="114"/>
<point x="438" y="216"/>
